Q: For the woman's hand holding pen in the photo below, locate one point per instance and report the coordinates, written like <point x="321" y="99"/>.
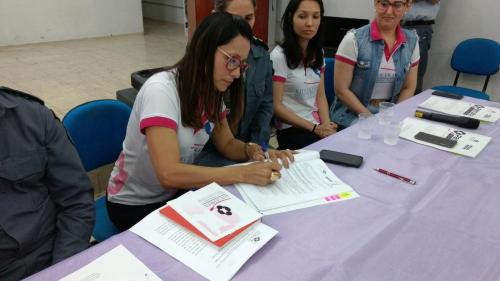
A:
<point x="254" y="152"/>
<point x="286" y="156"/>
<point x="261" y="153"/>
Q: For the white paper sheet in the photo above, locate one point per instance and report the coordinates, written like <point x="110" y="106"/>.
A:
<point x="117" y="264"/>
<point x="461" y="108"/>
<point x="308" y="182"/>
<point x="200" y="255"/>
<point x="468" y="144"/>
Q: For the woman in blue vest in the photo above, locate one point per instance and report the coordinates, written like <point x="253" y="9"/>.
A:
<point x="377" y="62"/>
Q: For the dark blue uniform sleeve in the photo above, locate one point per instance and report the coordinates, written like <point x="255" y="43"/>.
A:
<point x="69" y="189"/>
<point x="262" y="120"/>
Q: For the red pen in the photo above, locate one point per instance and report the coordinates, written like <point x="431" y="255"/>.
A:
<point x="405" y="179"/>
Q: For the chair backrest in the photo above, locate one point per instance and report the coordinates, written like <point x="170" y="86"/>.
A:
<point x="97" y="129"/>
<point x="476" y="56"/>
<point x="329" y="72"/>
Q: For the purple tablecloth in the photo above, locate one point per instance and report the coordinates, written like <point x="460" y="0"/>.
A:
<point x="447" y="227"/>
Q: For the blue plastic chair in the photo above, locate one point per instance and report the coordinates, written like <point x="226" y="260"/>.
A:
<point x="97" y="129"/>
<point x="329" y="72"/>
<point x="474" y="56"/>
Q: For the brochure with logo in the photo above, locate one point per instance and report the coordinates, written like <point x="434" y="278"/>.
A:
<point x="467" y="143"/>
<point x="212" y="213"/>
<point x="462" y="108"/>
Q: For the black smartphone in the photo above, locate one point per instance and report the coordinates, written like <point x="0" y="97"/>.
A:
<point x="435" y="139"/>
<point x="448" y="95"/>
<point x="341" y="158"/>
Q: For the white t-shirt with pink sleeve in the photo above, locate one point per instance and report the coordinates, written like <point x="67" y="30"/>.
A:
<point x="133" y="180"/>
<point x="300" y="88"/>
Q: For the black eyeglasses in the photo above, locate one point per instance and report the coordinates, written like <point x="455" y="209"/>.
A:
<point x="396" y="6"/>
<point x="234" y="61"/>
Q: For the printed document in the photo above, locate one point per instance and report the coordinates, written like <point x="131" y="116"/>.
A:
<point x="308" y="182"/>
<point x="468" y="144"/>
<point x="208" y="260"/>
<point x="117" y="264"/>
<point x="461" y="108"/>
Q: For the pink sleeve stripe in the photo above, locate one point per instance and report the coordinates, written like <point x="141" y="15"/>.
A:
<point x="322" y="70"/>
<point x="279" y="79"/>
<point x="415" y="63"/>
<point x="345" y="60"/>
<point x="159" y="122"/>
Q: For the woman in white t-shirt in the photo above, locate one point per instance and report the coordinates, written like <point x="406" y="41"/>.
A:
<point x="374" y="63"/>
<point x="300" y="104"/>
<point x="173" y="117"/>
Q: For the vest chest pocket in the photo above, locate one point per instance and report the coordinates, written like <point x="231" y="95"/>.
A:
<point x="361" y="73"/>
<point x="361" y="69"/>
<point x="23" y="174"/>
<point x="363" y="64"/>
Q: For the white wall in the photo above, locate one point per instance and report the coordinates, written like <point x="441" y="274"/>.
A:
<point x="32" y="21"/>
<point x="459" y="20"/>
<point x="360" y="9"/>
<point x="164" y="10"/>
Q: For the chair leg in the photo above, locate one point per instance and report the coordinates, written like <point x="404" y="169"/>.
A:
<point x="456" y="79"/>
<point x="486" y="83"/>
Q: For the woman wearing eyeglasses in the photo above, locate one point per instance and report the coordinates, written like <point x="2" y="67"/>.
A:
<point x="377" y="62"/>
<point x="175" y="113"/>
<point x="255" y="124"/>
<point x="300" y="103"/>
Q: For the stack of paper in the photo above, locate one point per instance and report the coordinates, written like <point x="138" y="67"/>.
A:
<point x="211" y="213"/>
<point x="468" y="144"/>
<point x="308" y="182"/>
<point x="193" y="247"/>
<point x="461" y="108"/>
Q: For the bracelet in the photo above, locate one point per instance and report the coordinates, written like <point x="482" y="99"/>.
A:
<point x="314" y="127"/>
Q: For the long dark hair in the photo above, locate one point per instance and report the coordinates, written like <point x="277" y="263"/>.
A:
<point x="290" y="44"/>
<point x="195" y="71"/>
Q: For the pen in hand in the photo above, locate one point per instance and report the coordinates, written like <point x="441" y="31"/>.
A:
<point x="264" y="147"/>
<point x="399" y="177"/>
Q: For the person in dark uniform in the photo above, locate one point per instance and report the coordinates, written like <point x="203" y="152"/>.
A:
<point x="46" y="199"/>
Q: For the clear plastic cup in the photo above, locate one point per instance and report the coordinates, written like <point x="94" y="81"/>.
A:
<point x="392" y="128"/>
<point x="385" y="112"/>
<point x="365" y="125"/>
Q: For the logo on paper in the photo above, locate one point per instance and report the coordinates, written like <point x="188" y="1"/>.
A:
<point x="223" y="210"/>
<point x="255" y="237"/>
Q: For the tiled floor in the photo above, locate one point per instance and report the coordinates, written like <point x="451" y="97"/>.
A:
<point x="65" y="74"/>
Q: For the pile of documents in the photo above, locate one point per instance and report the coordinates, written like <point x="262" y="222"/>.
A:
<point x="209" y="230"/>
